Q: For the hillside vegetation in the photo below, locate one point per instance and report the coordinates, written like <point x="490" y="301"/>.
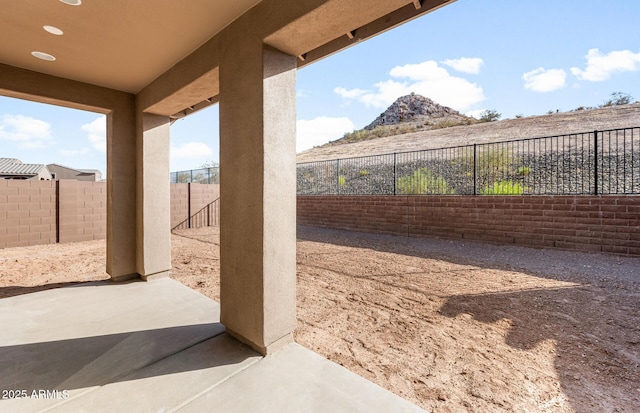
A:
<point x="411" y="113"/>
<point x="406" y="127"/>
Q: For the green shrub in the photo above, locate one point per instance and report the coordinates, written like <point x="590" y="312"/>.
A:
<point x="503" y="188"/>
<point x="524" y="170"/>
<point x="490" y="115"/>
<point x="422" y="182"/>
<point x="364" y="172"/>
<point x="617" y="98"/>
<point x="342" y="180"/>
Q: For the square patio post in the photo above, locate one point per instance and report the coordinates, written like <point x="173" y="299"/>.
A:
<point x="258" y="204"/>
<point x="121" y="191"/>
<point x="153" y="197"/>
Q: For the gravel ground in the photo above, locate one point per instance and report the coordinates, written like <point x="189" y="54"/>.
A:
<point x="452" y="326"/>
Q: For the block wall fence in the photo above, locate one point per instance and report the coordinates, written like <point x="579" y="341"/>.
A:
<point x="188" y="199"/>
<point x="46" y="212"/>
<point x="608" y="224"/>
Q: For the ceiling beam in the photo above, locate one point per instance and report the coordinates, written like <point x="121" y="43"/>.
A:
<point x="378" y="26"/>
<point x="42" y="88"/>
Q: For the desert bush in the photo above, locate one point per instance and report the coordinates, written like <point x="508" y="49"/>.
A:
<point x="524" y="170"/>
<point x="423" y="182"/>
<point x="503" y="188"/>
<point x="617" y="98"/>
<point x="490" y="115"/>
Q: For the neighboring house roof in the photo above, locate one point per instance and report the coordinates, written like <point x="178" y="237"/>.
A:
<point x="90" y="171"/>
<point x="12" y="166"/>
<point x="67" y="172"/>
<point x="80" y="171"/>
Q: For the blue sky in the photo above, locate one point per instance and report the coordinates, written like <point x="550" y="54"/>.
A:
<point x="520" y="57"/>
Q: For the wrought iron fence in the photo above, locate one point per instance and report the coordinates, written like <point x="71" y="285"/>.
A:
<point x="597" y="162"/>
<point x="200" y="176"/>
<point x="207" y="216"/>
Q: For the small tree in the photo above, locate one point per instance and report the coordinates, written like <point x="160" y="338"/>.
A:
<point x="617" y="98"/>
<point x="214" y="171"/>
<point x="490" y="115"/>
<point x="210" y="164"/>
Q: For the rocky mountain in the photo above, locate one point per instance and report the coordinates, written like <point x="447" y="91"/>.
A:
<point x="612" y="117"/>
<point x="410" y="113"/>
<point x="416" y="110"/>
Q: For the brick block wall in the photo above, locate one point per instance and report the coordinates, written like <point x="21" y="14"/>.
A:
<point x="31" y="213"/>
<point x="179" y="203"/>
<point x="203" y="194"/>
<point x="82" y="210"/>
<point x="198" y="195"/>
<point x="27" y="213"/>
<point x="586" y="223"/>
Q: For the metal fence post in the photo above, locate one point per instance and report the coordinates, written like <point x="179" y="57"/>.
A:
<point x="395" y="173"/>
<point x="57" y="210"/>
<point x="595" y="161"/>
<point x="475" y="152"/>
<point x="189" y="205"/>
<point x="337" y="176"/>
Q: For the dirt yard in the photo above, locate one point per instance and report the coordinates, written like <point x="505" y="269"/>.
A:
<point x="451" y="326"/>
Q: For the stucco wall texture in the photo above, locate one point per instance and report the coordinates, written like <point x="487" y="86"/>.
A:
<point x="45" y="212"/>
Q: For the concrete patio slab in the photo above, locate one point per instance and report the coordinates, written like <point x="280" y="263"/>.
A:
<point x="298" y="380"/>
<point x="158" y="346"/>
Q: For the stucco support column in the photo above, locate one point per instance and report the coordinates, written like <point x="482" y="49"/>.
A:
<point x="258" y="204"/>
<point x="153" y="209"/>
<point x="121" y="191"/>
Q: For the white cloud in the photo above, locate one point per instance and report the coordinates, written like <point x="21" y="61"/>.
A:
<point x="29" y="133"/>
<point x="74" y="152"/>
<point x="465" y="64"/>
<point x="191" y="150"/>
<point x="320" y="130"/>
<point x="349" y="93"/>
<point x="97" y="133"/>
<point x="600" y="67"/>
<point x="476" y="113"/>
<point x="542" y="80"/>
<point x="427" y="79"/>
<point x="31" y="145"/>
<point x="388" y="92"/>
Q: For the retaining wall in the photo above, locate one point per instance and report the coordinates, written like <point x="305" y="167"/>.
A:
<point x="586" y="223"/>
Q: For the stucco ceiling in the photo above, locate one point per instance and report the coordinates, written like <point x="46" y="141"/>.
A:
<point x="119" y="44"/>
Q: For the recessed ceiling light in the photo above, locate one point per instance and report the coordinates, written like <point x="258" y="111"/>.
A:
<point x="72" y="2"/>
<point x="53" y="30"/>
<point x="43" y="56"/>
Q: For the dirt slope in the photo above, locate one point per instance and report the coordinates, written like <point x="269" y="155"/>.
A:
<point x="530" y="127"/>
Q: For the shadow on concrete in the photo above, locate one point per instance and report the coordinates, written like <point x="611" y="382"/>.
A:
<point x="92" y="361"/>
<point x="12" y="291"/>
